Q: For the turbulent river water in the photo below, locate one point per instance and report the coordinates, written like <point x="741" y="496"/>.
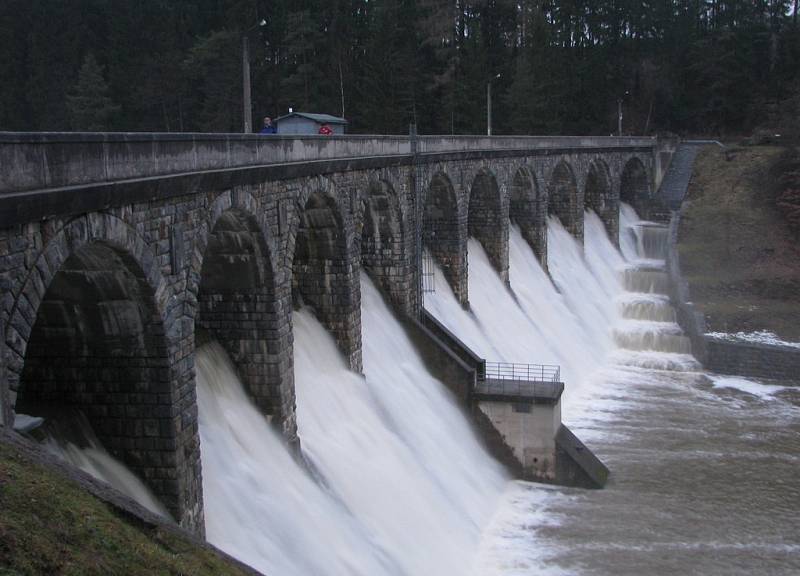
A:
<point x="704" y="468"/>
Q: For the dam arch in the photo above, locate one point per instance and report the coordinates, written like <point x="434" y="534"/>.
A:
<point x="528" y="210"/>
<point x="599" y="197"/>
<point x="486" y="222"/>
<point x="238" y="304"/>
<point x="563" y="200"/>
<point x="386" y="248"/>
<point x="634" y="187"/>
<point x="444" y="233"/>
<point x="323" y="266"/>
<point x="94" y="331"/>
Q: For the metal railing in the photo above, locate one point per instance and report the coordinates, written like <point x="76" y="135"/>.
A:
<point x="521" y="372"/>
<point x="507" y="379"/>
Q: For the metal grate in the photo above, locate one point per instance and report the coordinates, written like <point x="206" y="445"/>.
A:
<point x="428" y="274"/>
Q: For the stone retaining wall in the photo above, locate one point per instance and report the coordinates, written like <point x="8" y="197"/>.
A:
<point x="751" y="359"/>
<point x="689" y="319"/>
<point x="724" y="356"/>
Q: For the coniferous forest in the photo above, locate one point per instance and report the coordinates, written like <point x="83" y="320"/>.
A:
<point x="557" y="67"/>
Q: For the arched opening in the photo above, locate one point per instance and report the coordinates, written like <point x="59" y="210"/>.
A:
<point x="237" y="307"/>
<point x="385" y="252"/>
<point x="634" y="188"/>
<point x="485" y="221"/>
<point x="324" y="275"/>
<point x="442" y="234"/>
<point x="527" y="210"/>
<point x="598" y="197"/>
<point x="98" y="345"/>
<point x="562" y="200"/>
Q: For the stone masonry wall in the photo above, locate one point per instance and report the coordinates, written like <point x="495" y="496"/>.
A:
<point x="528" y="210"/>
<point x="488" y="221"/>
<point x="724" y="356"/>
<point x="754" y="360"/>
<point x="169" y="230"/>
<point x="387" y="239"/>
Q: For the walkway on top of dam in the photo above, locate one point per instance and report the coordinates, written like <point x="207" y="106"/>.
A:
<point x="43" y="160"/>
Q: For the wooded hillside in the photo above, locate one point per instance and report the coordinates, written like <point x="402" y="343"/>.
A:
<point x="688" y="66"/>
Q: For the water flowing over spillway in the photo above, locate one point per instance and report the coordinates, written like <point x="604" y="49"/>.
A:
<point x="703" y="467"/>
<point x="570" y="325"/>
<point x="70" y="437"/>
<point x="402" y="485"/>
<point x="395" y="482"/>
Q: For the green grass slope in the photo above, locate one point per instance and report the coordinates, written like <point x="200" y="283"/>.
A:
<point x="50" y="525"/>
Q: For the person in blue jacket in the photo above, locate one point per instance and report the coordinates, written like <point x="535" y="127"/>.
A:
<point x="268" y="127"/>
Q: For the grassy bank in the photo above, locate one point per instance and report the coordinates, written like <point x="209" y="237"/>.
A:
<point x="737" y="251"/>
<point x="50" y="525"/>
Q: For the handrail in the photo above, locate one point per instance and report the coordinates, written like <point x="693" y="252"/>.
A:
<point x="521" y="372"/>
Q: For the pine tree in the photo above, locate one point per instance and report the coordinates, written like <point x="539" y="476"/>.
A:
<point x="214" y="70"/>
<point x="88" y="104"/>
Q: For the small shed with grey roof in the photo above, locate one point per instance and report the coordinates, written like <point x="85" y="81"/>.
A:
<point x="306" y="123"/>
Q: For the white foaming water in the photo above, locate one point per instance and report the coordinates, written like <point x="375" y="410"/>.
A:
<point x="260" y="506"/>
<point x="654" y="307"/>
<point x="642" y="242"/>
<point x="570" y="326"/>
<point x="608" y="317"/>
<point x="747" y="386"/>
<point x="404" y="487"/>
<point x="75" y="442"/>
<point x="757" y="337"/>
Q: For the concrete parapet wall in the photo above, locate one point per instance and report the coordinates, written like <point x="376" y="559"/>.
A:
<point x="43" y="160"/>
<point x="433" y="144"/>
<point x="576" y="465"/>
<point x="52" y="160"/>
<point x="754" y="360"/>
<point x="459" y="376"/>
<point x="689" y="319"/>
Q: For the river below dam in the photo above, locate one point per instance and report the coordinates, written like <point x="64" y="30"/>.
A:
<point x="704" y="467"/>
<point x="395" y="482"/>
<point x="704" y="482"/>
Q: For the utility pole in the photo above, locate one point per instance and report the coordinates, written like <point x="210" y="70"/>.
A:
<point x="619" y="112"/>
<point x="489" y="108"/>
<point x="247" y="105"/>
<point x="489" y="104"/>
